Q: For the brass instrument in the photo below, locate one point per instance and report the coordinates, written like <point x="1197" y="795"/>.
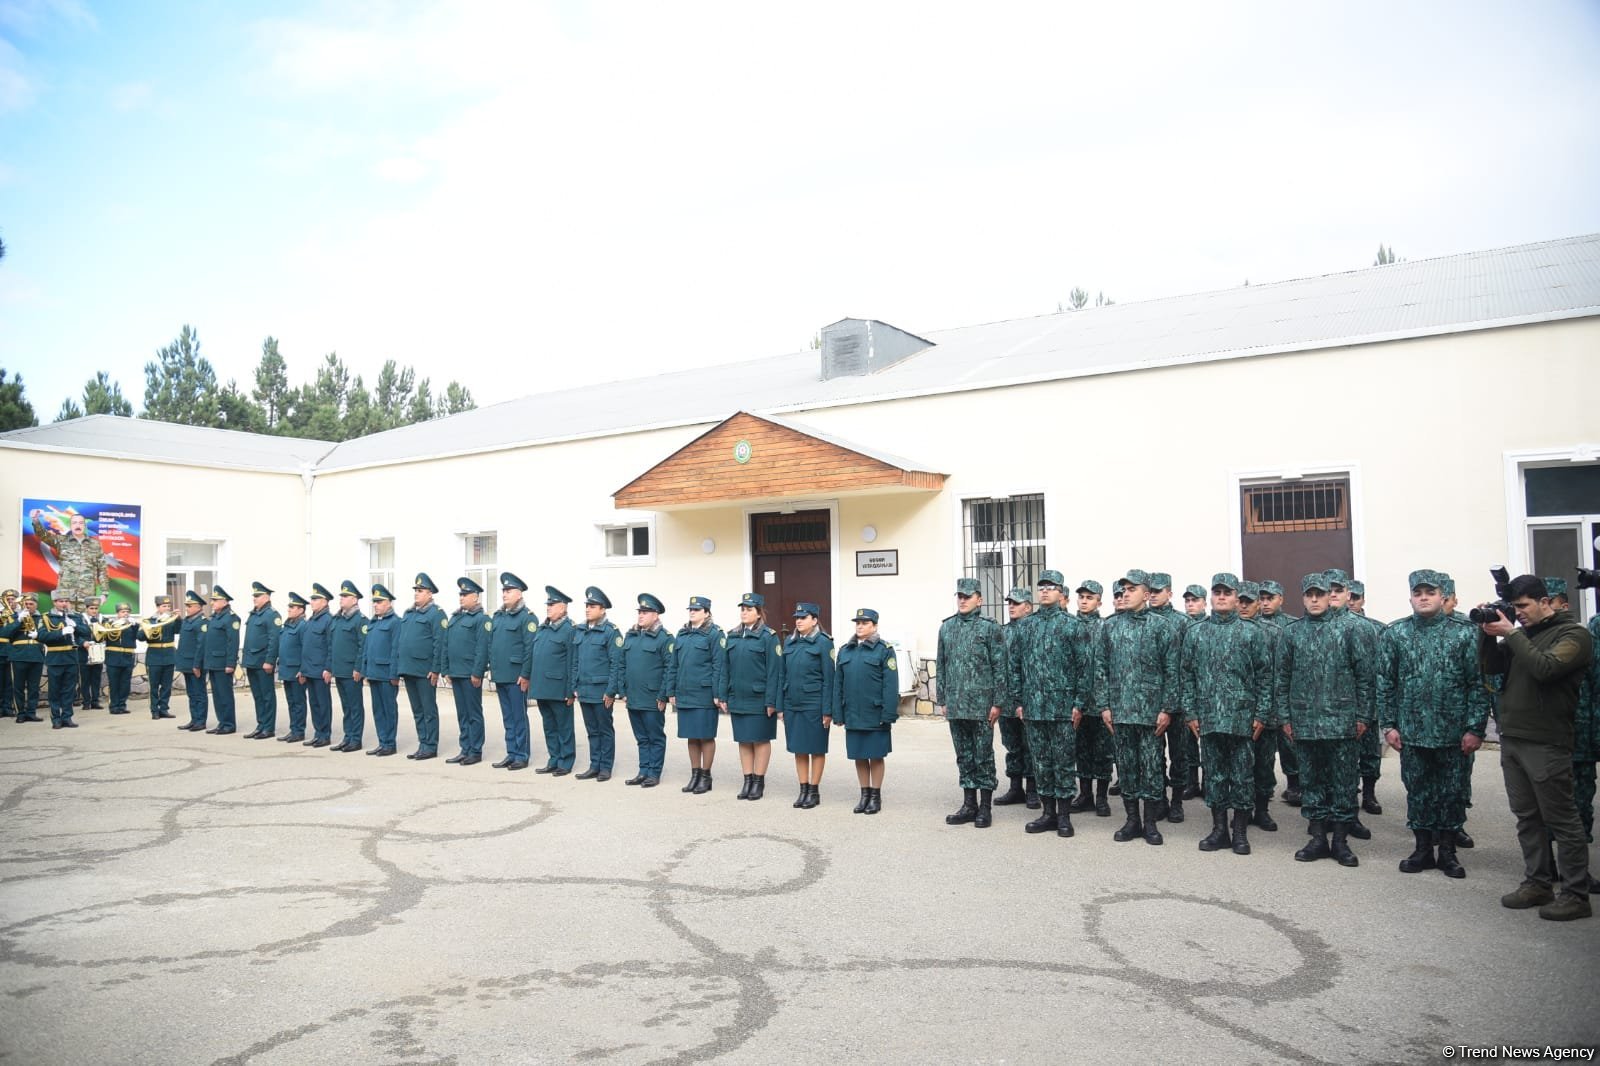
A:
<point x="155" y="623"/>
<point x="109" y="632"/>
<point x="28" y="626"/>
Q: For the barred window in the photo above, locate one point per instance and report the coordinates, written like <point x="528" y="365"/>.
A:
<point x="1297" y="506"/>
<point x="1004" y="546"/>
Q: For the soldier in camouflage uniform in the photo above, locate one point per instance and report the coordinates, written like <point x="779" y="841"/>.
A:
<point x="1174" y="750"/>
<point x="1557" y="587"/>
<point x="1273" y="614"/>
<point x="1226" y="693"/>
<point x="1194" y="610"/>
<point x="1096" y="751"/>
<point x="1448" y="590"/>
<point x="1051" y="672"/>
<point x="1372" y="743"/>
<point x="1264" y="747"/>
<point x="1135" y="685"/>
<point x="971" y="686"/>
<point x="1324" y="692"/>
<point x="1013" y="734"/>
<point x="1432" y="706"/>
<point x="1586" y="739"/>
<point x="83" y="571"/>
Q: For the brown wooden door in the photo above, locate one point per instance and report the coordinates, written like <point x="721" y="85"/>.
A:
<point x="1293" y="528"/>
<point x="792" y="564"/>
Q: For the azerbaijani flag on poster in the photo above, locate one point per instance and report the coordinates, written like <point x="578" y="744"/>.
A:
<point x="115" y="524"/>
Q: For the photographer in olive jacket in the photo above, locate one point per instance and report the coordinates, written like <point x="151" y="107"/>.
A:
<point x="1543" y="662"/>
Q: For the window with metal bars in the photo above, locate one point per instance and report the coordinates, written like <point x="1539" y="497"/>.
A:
<point x="1004" y="546"/>
<point x="1296" y="506"/>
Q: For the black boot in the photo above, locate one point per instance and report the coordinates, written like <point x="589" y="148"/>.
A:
<point x="1014" y="794"/>
<point x="1030" y="785"/>
<point x="805" y="794"/>
<point x="704" y="784"/>
<point x="1132" y="829"/>
<point x="749" y="783"/>
<point x="813" y="796"/>
<point x="1354" y="828"/>
<point x="1084" y="800"/>
<point x="1116" y="787"/>
<point x="1102" y="806"/>
<point x="1241" y="842"/>
<point x="1152" y="830"/>
<point x="1048" y="820"/>
<point x="1263" y="818"/>
<point x="758" y="786"/>
<point x="861" y="804"/>
<point x="1159" y="807"/>
<point x="874" y="800"/>
<point x="1193" y="790"/>
<point x="1317" y="847"/>
<point x="968" y="809"/>
<point x="1447" y="855"/>
<point x="694" y="780"/>
<point x="1291" y="795"/>
<point x="985" y="816"/>
<point x="1064" y="828"/>
<point x="1175" y="808"/>
<point x="1217" y="839"/>
<point x="1462" y="840"/>
<point x="1421" y="858"/>
<point x="1341" y="847"/>
<point x="1369" y="797"/>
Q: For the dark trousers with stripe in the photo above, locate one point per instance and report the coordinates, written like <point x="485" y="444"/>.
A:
<point x="354" y="706"/>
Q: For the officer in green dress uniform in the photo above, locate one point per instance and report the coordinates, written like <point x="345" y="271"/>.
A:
<point x="753" y="666"/>
<point x="647" y="663"/>
<point x="596" y="679"/>
<point x="347" y="633"/>
<point x="867" y="699"/>
<point x="222" y="631"/>
<point x="289" y="659"/>
<point x="697" y="689"/>
<point x="511" y="633"/>
<point x="380" y="653"/>
<point x="805" y="703"/>
<point x="464" y="659"/>
<point x="191" y="659"/>
<point x="316" y="666"/>
<point x="550" y="674"/>
<point x="27" y="660"/>
<point x="121" y="649"/>
<point x="420" y="632"/>
<point x="1013" y="733"/>
<point x="62" y="632"/>
<point x="263" y="628"/>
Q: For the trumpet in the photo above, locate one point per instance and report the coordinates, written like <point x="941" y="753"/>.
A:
<point x="160" y="620"/>
<point x="28" y="626"/>
<point x="111" y="631"/>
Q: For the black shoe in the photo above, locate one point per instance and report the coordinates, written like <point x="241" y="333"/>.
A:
<point x="503" y="763"/>
<point x="472" y="760"/>
<point x="630" y="781"/>
<point x="985" y="816"/>
<point x="1341" y="848"/>
<point x="187" y="727"/>
<point x="1291" y="795"/>
<point x="605" y="775"/>
<point x="1464" y="841"/>
<point x="1047" y="822"/>
<point x="694" y="779"/>
<point x="1241" y="823"/>
<point x="1369" y="798"/>
<point x="292" y="738"/>
<point x="758" y="788"/>
<point x="165" y="714"/>
<point x="1317" y="847"/>
<point x="1447" y="856"/>
<point x="875" y="801"/>
<point x="383" y="751"/>
<point x="967" y="811"/>
<point x="517" y="764"/>
<point x="561" y="771"/>
<point x="1175" y="808"/>
<point x="1421" y="857"/>
<point x="1354" y="828"/>
<point x="1262" y="819"/>
<point x="813" y="796"/>
<point x="69" y="724"/>
<point x="1102" y="805"/>
<point x="1084" y="800"/>
<point x="1152" y="830"/>
<point x="1217" y="839"/>
<point x="257" y="735"/>
<point x="55" y="725"/>
<point x="701" y="787"/>
<point x="1133" y="828"/>
<point x="546" y="769"/>
<point x="650" y="782"/>
<point x="861" y="804"/>
<point x="1193" y="790"/>
<point x="213" y="731"/>
<point x="749" y="783"/>
<point x="424" y="756"/>
<point x="1015" y="794"/>
<point x="115" y="711"/>
<point x="1158" y="807"/>
<point x="455" y="759"/>
<point x="588" y="775"/>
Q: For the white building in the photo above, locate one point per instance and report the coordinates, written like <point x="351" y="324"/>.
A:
<point x="1441" y="413"/>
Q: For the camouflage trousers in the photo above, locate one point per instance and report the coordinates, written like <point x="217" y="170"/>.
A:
<point x="1139" y="761"/>
<point x="1055" y="755"/>
<point x="1372" y="754"/>
<point x="1432" y="777"/>
<point x="1230" y="771"/>
<point x="974" y="744"/>
<point x="1014" y="738"/>
<point x="1191" y="753"/>
<point x="1288" y="756"/>
<point x="1264" y="750"/>
<point x="1330" y="779"/>
<point x="1175" y="752"/>
<point x="1583" y="793"/>
<point x="1097" y="752"/>
<point x="1467" y="760"/>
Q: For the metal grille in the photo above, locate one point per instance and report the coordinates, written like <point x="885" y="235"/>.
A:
<point x="780" y="534"/>
<point x="1004" y="546"/>
<point x="1296" y="506"/>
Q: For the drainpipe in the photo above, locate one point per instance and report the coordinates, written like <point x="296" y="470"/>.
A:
<point x="308" y="477"/>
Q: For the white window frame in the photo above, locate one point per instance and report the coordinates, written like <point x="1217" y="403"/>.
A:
<point x="224" y="557"/>
<point x="488" y="577"/>
<point x="629" y="521"/>
<point x="1520" y="526"/>
<point x="1239" y="480"/>
<point x="966" y="496"/>
<point x="378" y="576"/>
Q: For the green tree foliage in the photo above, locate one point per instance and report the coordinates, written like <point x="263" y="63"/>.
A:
<point x="1385" y="257"/>
<point x="102" y="396"/>
<point x="457" y="398"/>
<point x="272" y="383"/>
<point x="236" y="410"/>
<point x="421" y="408"/>
<point x="15" y="410"/>
<point x="69" y="410"/>
<point x="181" y="386"/>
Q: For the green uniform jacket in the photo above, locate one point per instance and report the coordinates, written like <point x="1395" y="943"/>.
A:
<point x="191" y="642"/>
<point x="808" y="674"/>
<point x="1325" y="677"/>
<point x="510" y="644"/>
<point x="866" y="684"/>
<point x="1052" y="671"/>
<point x="347" y="636"/>
<point x="222" y="641"/>
<point x="59" y="645"/>
<point x="261" y="635"/>
<point x="971" y="666"/>
<point x="1014" y="632"/>
<point x="288" y="650"/>
<point x="550" y="667"/>
<point x="421" y="629"/>
<point x="1225" y="678"/>
<point x="647" y="667"/>
<point x="464" y="651"/>
<point x="379" y="649"/>
<point x="1136" y="666"/>
<point x="752" y="663"/>
<point x="1543" y="665"/>
<point x="596" y="661"/>
<point x="698" y="656"/>
<point x="1428" y="682"/>
<point x="26" y="649"/>
<point x="1586" y="727"/>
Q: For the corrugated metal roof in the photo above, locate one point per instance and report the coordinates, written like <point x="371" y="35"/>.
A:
<point x="1476" y="290"/>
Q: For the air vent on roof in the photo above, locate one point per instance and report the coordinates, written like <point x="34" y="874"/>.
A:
<point x="852" y="347"/>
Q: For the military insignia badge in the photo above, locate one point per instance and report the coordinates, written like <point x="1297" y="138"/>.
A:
<point x="889" y="663"/>
<point x="202" y="627"/>
<point x="488" y="625"/>
<point x="724" y="642"/>
<point x="532" y="626"/>
<point x="236" y="625"/>
<point x="363" y="630"/>
<point x="277" y="621"/>
<point x="444" y="623"/>
<point x="778" y="647"/>
<point x="619" y="642"/>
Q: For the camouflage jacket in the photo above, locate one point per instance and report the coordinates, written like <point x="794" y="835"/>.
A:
<point x="1014" y="632"/>
<point x="1136" y="666"/>
<point x="1586" y="727"/>
<point x="1051" y="672"/>
<point x="1324" y="677"/>
<point x="1428" y="685"/>
<point x="1273" y="633"/>
<point x="971" y="666"/>
<point x="1226" y="675"/>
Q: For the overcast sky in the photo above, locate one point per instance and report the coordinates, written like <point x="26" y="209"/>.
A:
<point x="527" y="196"/>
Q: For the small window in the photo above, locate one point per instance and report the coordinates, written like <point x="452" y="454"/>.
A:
<point x="632" y="543"/>
<point x="1004" y="541"/>
<point x="1568" y="489"/>
<point x="191" y="564"/>
<point x="380" y="562"/>
<point x="1297" y="506"/>
<point x="482" y="558"/>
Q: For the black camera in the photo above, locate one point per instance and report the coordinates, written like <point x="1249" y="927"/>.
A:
<point x="1588" y="579"/>
<point x="1493" y="612"/>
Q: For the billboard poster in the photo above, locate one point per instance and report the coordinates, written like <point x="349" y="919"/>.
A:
<point x="82" y="547"/>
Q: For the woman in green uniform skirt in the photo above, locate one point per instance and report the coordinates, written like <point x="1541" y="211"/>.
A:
<point x="753" y="669"/>
<point x="806" y="704"/>
<point x="867" y="687"/>
<point x="697" y="688"/>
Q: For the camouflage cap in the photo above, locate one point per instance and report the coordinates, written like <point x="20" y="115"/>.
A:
<point x="1052" y="577"/>
<point x="1250" y="591"/>
<point x="966" y="586"/>
<point x="1425" y="579"/>
<point x="1160" y="580"/>
<point x="1091" y="586"/>
<point x="1447" y="584"/>
<point x="1556" y="586"/>
<point x="1271" y="588"/>
<point x="1134" y="577"/>
<point x="1318" y="581"/>
<point x="1196" y="592"/>
<point x="1358" y="588"/>
<point x="1335" y="576"/>
<point x="1226" y="580"/>
<point x="1019" y="595"/>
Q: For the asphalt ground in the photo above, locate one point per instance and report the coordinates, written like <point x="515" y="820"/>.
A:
<point x="170" y="897"/>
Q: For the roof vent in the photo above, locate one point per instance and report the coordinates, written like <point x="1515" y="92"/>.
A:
<point x="854" y="347"/>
